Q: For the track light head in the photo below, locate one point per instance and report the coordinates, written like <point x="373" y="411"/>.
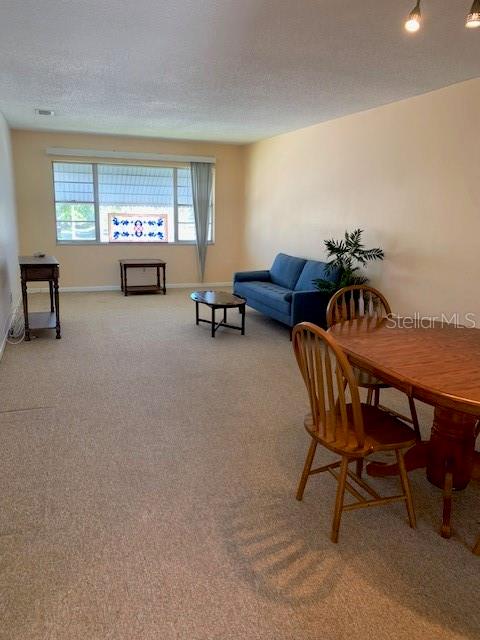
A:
<point x="412" y="24"/>
<point x="473" y="18"/>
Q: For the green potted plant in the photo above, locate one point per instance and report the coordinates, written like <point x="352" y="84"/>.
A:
<point x="347" y="256"/>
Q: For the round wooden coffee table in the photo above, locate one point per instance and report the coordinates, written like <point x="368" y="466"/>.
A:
<point x="219" y="300"/>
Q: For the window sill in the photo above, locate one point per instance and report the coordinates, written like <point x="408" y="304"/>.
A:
<point x="83" y="243"/>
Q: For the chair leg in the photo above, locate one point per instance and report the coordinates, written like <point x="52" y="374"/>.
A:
<point x="342" y="480"/>
<point x="306" y="469"/>
<point x="376" y="401"/>
<point x="406" y="488"/>
<point x="413" y="413"/>
<point x="369" y="395"/>
<point x="359" y="467"/>
<point x="476" y="548"/>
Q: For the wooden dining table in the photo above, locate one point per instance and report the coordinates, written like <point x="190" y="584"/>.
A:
<point x="438" y="364"/>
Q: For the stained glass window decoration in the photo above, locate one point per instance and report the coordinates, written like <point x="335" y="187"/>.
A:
<point x="128" y="227"/>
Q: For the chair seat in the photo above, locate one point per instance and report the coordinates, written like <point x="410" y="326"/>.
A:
<point x="366" y="380"/>
<point x="383" y="432"/>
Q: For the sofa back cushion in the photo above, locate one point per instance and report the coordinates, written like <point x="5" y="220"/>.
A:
<point x="312" y="270"/>
<point x="285" y="270"/>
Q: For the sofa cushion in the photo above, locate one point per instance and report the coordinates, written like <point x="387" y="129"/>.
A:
<point x="267" y="293"/>
<point x="312" y="270"/>
<point x="285" y="270"/>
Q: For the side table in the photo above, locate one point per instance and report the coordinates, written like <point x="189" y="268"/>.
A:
<point x="142" y="263"/>
<point x="34" y="269"/>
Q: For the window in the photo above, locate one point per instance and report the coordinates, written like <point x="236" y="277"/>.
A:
<point x="120" y="203"/>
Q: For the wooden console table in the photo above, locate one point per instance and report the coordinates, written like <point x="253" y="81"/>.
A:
<point x="142" y="263"/>
<point x="44" y="269"/>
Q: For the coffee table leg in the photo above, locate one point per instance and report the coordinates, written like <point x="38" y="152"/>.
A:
<point x="196" y="313"/>
<point x="242" y="311"/>
<point x="213" y="322"/>
<point x="164" y="269"/>
<point x="158" y="277"/>
<point x="225" y="315"/>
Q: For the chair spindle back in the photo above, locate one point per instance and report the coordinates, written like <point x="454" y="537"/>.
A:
<point x="328" y="377"/>
<point x="357" y="301"/>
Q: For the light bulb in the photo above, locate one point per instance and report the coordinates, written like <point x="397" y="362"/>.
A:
<point x="412" y="23"/>
<point x="473" y="18"/>
<point x="473" y="21"/>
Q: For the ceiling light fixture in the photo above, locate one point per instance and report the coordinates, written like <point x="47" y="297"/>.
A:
<point x="414" y="20"/>
<point x="44" y="112"/>
<point x="473" y="18"/>
<point x="412" y="23"/>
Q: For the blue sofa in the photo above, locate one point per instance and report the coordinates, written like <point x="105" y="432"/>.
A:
<point x="286" y="291"/>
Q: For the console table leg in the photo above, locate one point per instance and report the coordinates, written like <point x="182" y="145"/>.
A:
<point x="164" y="280"/>
<point x="213" y="322"/>
<point x="242" y="311"/>
<point x="57" y="309"/>
<point x="125" y="285"/>
<point x="196" y="314"/>
<point x="25" y="310"/>
<point x="50" y="286"/>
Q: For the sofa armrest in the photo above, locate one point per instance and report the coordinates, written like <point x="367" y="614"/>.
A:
<point x="245" y="276"/>
<point x="310" y="306"/>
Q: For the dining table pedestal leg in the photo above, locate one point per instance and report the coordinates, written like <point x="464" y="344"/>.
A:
<point x="451" y="456"/>
<point x="451" y="448"/>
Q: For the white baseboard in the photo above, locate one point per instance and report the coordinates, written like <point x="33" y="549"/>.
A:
<point x="6" y="329"/>
<point x="116" y="287"/>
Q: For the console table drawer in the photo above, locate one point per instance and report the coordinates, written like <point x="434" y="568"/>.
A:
<point x="39" y="272"/>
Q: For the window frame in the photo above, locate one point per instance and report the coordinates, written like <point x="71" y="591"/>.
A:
<point x="96" y="204"/>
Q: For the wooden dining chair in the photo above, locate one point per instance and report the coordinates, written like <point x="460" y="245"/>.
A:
<point x="357" y="301"/>
<point x="476" y="548"/>
<point x="352" y="430"/>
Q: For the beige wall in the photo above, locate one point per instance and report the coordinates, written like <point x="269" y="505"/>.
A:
<point x="9" y="273"/>
<point x="408" y="173"/>
<point x="97" y="265"/>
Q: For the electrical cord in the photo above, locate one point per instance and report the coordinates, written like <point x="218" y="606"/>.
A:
<point x="16" y="333"/>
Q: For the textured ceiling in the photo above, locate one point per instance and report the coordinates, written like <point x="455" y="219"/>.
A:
<point x="227" y="70"/>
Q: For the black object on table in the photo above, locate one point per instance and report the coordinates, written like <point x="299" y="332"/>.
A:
<point x="142" y="263"/>
<point x="45" y="269"/>
<point x="219" y="300"/>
